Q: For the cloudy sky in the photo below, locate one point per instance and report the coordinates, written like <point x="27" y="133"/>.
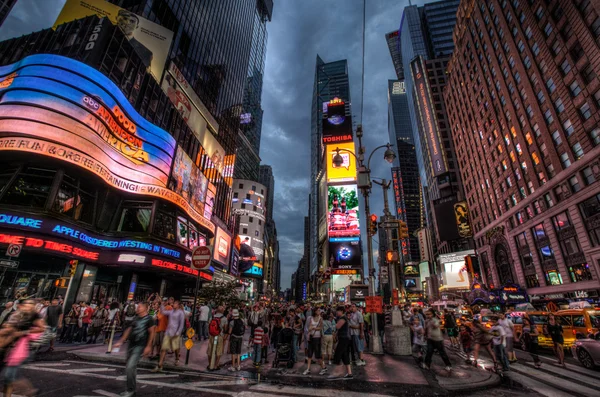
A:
<point x="300" y="30"/>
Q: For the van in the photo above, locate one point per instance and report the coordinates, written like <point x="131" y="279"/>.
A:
<point x="584" y="321"/>
<point x="539" y="319"/>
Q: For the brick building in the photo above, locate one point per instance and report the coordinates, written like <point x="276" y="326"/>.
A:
<point x="523" y="101"/>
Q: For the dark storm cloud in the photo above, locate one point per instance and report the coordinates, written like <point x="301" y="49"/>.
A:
<point x="332" y="29"/>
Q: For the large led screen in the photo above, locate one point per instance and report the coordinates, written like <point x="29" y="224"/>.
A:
<point x="345" y="255"/>
<point x="188" y="181"/>
<point x="57" y="107"/>
<point x="222" y="247"/>
<point x="337" y="126"/>
<point x="343" y="217"/>
<point x="150" y="40"/>
<point x="346" y="172"/>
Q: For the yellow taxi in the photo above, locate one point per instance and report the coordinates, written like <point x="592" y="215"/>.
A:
<point x="539" y="319"/>
<point x="584" y="321"/>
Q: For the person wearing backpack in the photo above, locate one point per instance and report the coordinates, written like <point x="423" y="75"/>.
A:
<point x="215" y="340"/>
<point x="237" y="329"/>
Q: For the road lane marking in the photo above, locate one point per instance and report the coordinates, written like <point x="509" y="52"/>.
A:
<point x="80" y="370"/>
<point x="106" y="393"/>
<point x="148" y="376"/>
<point x="539" y="387"/>
<point x="222" y="383"/>
<point x="301" y="391"/>
<point x="558" y="383"/>
<point x="566" y="373"/>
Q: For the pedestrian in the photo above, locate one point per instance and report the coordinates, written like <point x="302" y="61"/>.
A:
<point x="236" y="332"/>
<point x="8" y="309"/>
<point x="498" y="341"/>
<point x="357" y="333"/>
<point x="482" y="338"/>
<point x="172" y="336"/>
<point x="435" y="340"/>
<point x="97" y="323"/>
<point x="509" y="330"/>
<point x="298" y="328"/>
<point x="83" y="323"/>
<point x="139" y="334"/>
<point x="216" y="330"/>
<point x="315" y="330"/>
<point x="530" y="340"/>
<point x="466" y="341"/>
<point x="327" y="338"/>
<point x="555" y="331"/>
<point x="265" y="346"/>
<point x="128" y="314"/>
<point x="54" y="320"/>
<point x="256" y="343"/>
<point x="203" y="318"/>
<point x="451" y="328"/>
<point x="253" y="319"/>
<point x="112" y="321"/>
<point x="70" y="328"/>
<point x="419" y="340"/>
<point x="342" y="335"/>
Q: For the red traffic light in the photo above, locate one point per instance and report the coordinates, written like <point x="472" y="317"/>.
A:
<point x="373" y="218"/>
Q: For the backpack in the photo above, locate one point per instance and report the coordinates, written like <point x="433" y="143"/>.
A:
<point x="214" y="328"/>
<point x="130" y="310"/>
<point x="238" y="327"/>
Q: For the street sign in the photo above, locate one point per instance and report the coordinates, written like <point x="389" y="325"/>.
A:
<point x="14" y="250"/>
<point x="384" y="275"/>
<point x="374" y="304"/>
<point x="201" y="257"/>
<point x="189" y="344"/>
<point x="389" y="225"/>
<point x="190" y="333"/>
<point x="9" y="263"/>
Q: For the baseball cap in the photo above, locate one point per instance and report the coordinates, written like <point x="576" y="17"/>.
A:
<point x="235" y="313"/>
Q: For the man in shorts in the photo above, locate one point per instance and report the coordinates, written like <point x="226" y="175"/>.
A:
<point x="357" y="329"/>
<point x="343" y="341"/>
<point x="172" y="337"/>
<point x="327" y="341"/>
<point x="236" y="338"/>
<point x="215" y="343"/>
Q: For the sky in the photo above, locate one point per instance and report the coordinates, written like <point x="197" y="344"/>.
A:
<point x="299" y="30"/>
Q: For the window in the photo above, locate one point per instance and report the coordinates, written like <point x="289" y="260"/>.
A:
<point x="565" y="161"/>
<point x="540" y="96"/>
<point x="577" y="273"/>
<point x="584" y="111"/>
<point x="548" y="29"/>
<point x="536" y="49"/>
<point x="518" y="78"/>
<point x="30" y="188"/>
<point x="535" y="158"/>
<point x="251" y="219"/>
<point x="245" y="230"/>
<point x="76" y="198"/>
<point x="595" y="135"/>
<point x="549" y="201"/>
<point x="539" y="13"/>
<point x="576" y="52"/>
<point x="164" y="222"/>
<point x="574" y="88"/>
<point x="536" y="129"/>
<point x="559" y="106"/>
<point x="574" y="183"/>
<point x="553" y="277"/>
<point x="521" y="46"/>
<point x="577" y="151"/>
<point x="557" y="13"/>
<point x="584" y="7"/>
<point x="548" y="116"/>
<point x="555" y="47"/>
<point x="588" y="176"/>
<point x="565" y="66"/>
<point x="532" y="281"/>
<point x="568" y="126"/>
<point x="135" y="217"/>
<point x="566" y="32"/>
<point x="595" y="27"/>
<point x="590" y="209"/>
<point x="529" y="111"/>
<point x="528" y="32"/>
<point x="556" y="138"/>
<point x="527" y="62"/>
<point x="551" y="86"/>
<point x="597" y="98"/>
<point x="588" y="74"/>
<point x="528" y="138"/>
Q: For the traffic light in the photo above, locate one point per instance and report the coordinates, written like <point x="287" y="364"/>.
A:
<point x="391" y="256"/>
<point x="402" y="230"/>
<point x="372" y="225"/>
<point x="73" y="266"/>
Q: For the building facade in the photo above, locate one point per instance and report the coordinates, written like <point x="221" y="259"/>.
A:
<point x="5" y="8"/>
<point x="523" y="100"/>
<point x="394" y="46"/>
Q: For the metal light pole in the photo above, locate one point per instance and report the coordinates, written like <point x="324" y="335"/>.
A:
<point x="364" y="183"/>
<point x="389" y="222"/>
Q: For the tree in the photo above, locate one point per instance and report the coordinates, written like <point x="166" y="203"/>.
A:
<point x="226" y="294"/>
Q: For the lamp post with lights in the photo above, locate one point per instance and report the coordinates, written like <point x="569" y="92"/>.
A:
<point x="364" y="184"/>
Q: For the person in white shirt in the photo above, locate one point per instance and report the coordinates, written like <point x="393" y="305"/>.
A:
<point x="314" y="324"/>
<point x="498" y="340"/>
<point x="509" y="330"/>
<point x="203" y="318"/>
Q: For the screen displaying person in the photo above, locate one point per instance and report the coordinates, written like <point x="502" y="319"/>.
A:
<point x="129" y="23"/>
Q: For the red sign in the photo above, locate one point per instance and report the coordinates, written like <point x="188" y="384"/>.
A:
<point x="174" y="266"/>
<point x="344" y="271"/>
<point x="395" y="299"/>
<point x="48" y="245"/>
<point x="201" y="257"/>
<point x="374" y="304"/>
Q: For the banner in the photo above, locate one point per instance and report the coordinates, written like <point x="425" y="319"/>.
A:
<point x="149" y="40"/>
<point x="195" y="115"/>
<point x="461" y="213"/>
<point x="347" y="171"/>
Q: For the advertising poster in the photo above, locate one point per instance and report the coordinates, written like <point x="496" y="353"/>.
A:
<point x="345" y="255"/>
<point x="210" y="200"/>
<point x="445" y="219"/>
<point x="429" y="122"/>
<point x="337" y="126"/>
<point x="247" y="254"/>
<point x="256" y="270"/>
<point x="461" y="213"/>
<point x="343" y="217"/>
<point x="188" y="181"/>
<point x="222" y="247"/>
<point x="150" y="40"/>
<point x="347" y="171"/>
<point x="455" y="273"/>
<point x="195" y="114"/>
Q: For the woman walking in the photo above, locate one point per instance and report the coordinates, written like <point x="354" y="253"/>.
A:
<point x="555" y="330"/>
<point x="530" y="340"/>
<point x="112" y="321"/>
<point x="482" y="338"/>
<point x="315" y="330"/>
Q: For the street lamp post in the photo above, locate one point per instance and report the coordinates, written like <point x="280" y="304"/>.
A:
<point x="364" y="183"/>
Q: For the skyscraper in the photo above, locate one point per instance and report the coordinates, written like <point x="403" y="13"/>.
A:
<point x="523" y="104"/>
<point x="331" y="81"/>
<point x="394" y="46"/>
<point x="5" y="7"/>
<point x="266" y="178"/>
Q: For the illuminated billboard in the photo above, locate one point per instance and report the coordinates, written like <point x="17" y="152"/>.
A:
<point x="195" y="115"/>
<point x="188" y="181"/>
<point x="346" y="172"/>
<point x="455" y="272"/>
<point x="461" y="213"/>
<point x="150" y="40"/>
<point x="343" y="216"/>
<point x="345" y="255"/>
<point x="429" y="124"/>
<point x="57" y="107"/>
<point x="337" y="126"/>
<point x="222" y="247"/>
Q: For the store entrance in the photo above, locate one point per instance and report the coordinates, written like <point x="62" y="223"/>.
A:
<point x="36" y="277"/>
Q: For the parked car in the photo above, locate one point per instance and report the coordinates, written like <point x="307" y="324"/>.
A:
<point x="587" y="350"/>
<point x="584" y="321"/>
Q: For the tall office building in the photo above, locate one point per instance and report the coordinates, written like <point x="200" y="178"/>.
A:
<point x="5" y="7"/>
<point x="425" y="44"/>
<point x="331" y="81"/>
<point x="405" y="173"/>
<point x="266" y="178"/>
<point x="523" y="103"/>
<point x="394" y="46"/>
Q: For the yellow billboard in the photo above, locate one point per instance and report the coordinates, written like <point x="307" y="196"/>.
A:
<point x="150" y="40"/>
<point x="346" y="172"/>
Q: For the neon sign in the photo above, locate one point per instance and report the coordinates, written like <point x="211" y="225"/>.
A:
<point x="48" y="245"/>
<point x="175" y="267"/>
<point x="344" y="271"/>
<point x="21" y="221"/>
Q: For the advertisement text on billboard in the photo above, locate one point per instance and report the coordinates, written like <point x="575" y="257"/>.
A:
<point x="337" y="126"/>
<point x="461" y="213"/>
<point x="343" y="216"/>
<point x="188" y="181"/>
<point x="149" y="40"/>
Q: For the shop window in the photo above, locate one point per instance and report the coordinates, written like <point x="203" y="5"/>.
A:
<point x="6" y="173"/>
<point x="561" y="221"/>
<point x="76" y="198"/>
<point x="182" y="231"/>
<point x="194" y="239"/>
<point x="532" y="281"/>
<point x="590" y="209"/>
<point x="135" y="217"/>
<point x="165" y="223"/>
<point x="580" y="272"/>
<point x="553" y="277"/>
<point x="30" y="188"/>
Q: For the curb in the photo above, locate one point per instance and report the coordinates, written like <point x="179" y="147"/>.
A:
<point x="492" y="380"/>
